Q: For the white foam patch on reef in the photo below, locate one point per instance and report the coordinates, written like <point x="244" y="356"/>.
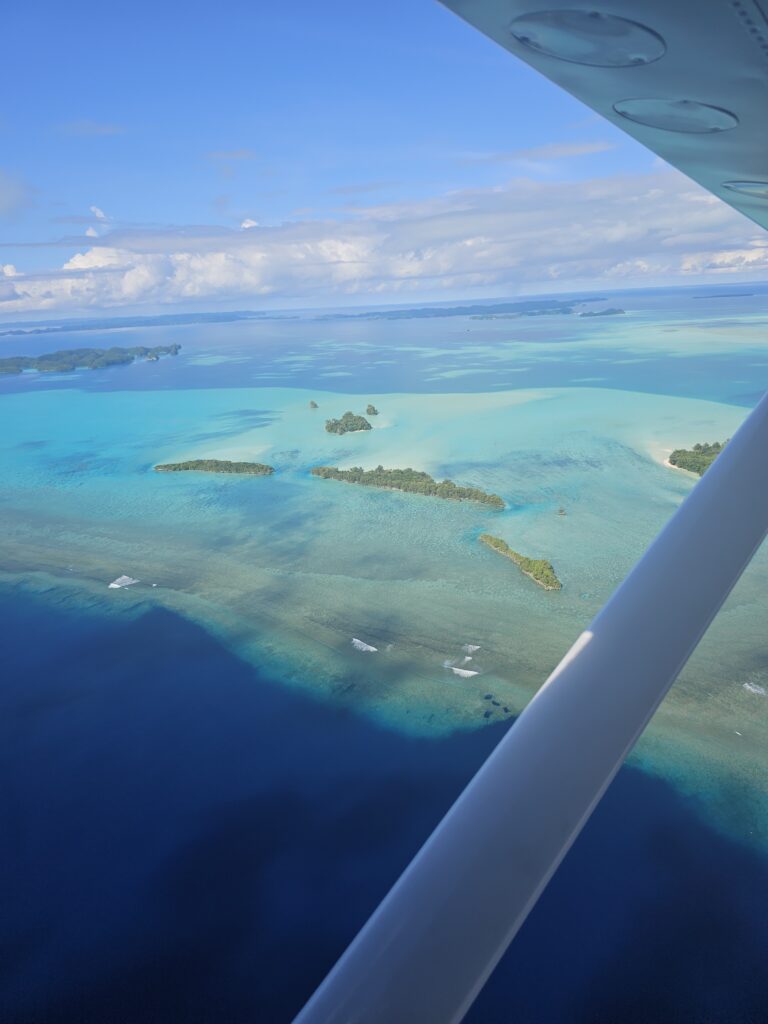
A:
<point x="470" y="648"/>
<point x="754" y="688"/>
<point x="122" y="581"/>
<point x="465" y="673"/>
<point x="359" y="645"/>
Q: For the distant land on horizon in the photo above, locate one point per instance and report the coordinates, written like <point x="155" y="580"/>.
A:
<point x="101" y="323"/>
<point x="524" y="305"/>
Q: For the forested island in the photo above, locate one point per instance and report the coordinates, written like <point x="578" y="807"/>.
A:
<point x="216" y="466"/>
<point x="612" y="311"/>
<point x="84" y="358"/>
<point x="371" y="410"/>
<point x="697" y="459"/>
<point x="521" y="307"/>
<point x="411" y="480"/>
<point x="537" y="569"/>
<point x="348" y="423"/>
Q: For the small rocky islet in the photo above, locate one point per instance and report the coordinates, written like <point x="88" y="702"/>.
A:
<point x="538" y="569"/>
<point x="349" y="423"/>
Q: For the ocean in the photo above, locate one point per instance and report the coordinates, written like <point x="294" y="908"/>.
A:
<point x="207" y="788"/>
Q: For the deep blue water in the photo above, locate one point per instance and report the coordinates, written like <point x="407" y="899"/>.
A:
<point x="185" y="841"/>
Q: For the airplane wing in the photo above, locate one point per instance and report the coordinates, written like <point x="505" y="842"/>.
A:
<point x="689" y="80"/>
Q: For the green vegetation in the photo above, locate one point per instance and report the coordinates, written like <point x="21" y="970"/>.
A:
<point x="410" y="480"/>
<point x="611" y="311"/>
<point x="80" y="358"/>
<point x="371" y="410"/>
<point x="313" y="405"/>
<point x="697" y="459"/>
<point x="347" y="424"/>
<point x="217" y="466"/>
<point x="539" y="570"/>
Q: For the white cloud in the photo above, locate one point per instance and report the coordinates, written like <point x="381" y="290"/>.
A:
<point x="730" y="261"/>
<point x="248" y="223"/>
<point x="91" y="232"/>
<point x="526" y="235"/>
<point x="97" y="213"/>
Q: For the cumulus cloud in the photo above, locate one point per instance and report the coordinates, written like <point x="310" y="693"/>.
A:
<point x="526" y="235"/>
<point x="248" y="223"/>
<point x="97" y="213"/>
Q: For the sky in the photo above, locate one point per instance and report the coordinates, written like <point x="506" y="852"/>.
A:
<point x="260" y="156"/>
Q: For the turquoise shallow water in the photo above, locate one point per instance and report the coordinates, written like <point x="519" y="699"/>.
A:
<point x="287" y="570"/>
<point x="230" y="786"/>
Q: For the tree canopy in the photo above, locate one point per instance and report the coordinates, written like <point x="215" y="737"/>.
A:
<point x="216" y="466"/>
<point x="67" y="360"/>
<point x="348" y="423"/>
<point x="538" y="569"/>
<point x="697" y="459"/>
<point x="412" y="480"/>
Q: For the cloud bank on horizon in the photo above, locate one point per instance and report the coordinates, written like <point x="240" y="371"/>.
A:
<point x="525" y="236"/>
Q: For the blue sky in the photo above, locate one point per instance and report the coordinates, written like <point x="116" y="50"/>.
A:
<point x="260" y="155"/>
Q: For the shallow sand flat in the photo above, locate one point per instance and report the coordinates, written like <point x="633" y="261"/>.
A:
<point x="286" y="570"/>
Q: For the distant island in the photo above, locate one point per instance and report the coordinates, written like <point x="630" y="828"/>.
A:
<point x="216" y="466"/>
<point x="496" y="316"/>
<point x="410" y="480"/>
<point x="537" y="569"/>
<point x="313" y="404"/>
<point x="524" y="307"/>
<point x="111" y="323"/>
<point x="348" y="423"/>
<point x="612" y="311"/>
<point x="697" y="459"/>
<point x="371" y="410"/>
<point x="84" y="358"/>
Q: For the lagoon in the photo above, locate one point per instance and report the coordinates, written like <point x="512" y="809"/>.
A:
<point x="273" y="577"/>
